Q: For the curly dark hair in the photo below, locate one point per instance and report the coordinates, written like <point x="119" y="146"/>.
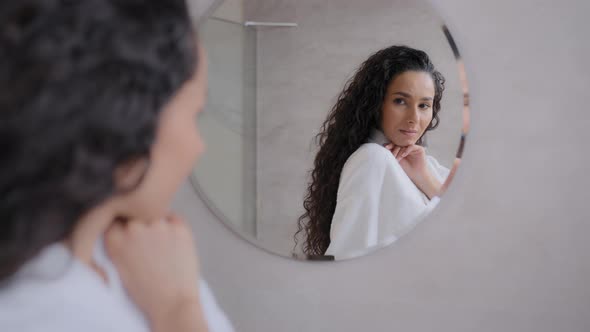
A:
<point x="349" y="124"/>
<point x="82" y="84"/>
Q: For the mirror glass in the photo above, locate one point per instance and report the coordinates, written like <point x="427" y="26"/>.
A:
<point x="332" y="127"/>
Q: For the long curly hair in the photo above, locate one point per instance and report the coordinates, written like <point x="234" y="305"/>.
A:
<point x="348" y="125"/>
<point x="82" y="84"/>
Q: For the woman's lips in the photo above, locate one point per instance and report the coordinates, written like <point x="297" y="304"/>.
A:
<point x="410" y="133"/>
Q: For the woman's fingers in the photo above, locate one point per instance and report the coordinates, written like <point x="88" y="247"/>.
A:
<point x="396" y="151"/>
<point x="407" y="151"/>
<point x="411" y="149"/>
<point x="157" y="262"/>
<point x="400" y="152"/>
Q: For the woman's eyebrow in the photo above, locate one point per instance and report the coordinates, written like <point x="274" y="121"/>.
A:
<point x="407" y="95"/>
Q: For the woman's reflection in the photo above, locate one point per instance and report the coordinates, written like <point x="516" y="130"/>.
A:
<point x="372" y="178"/>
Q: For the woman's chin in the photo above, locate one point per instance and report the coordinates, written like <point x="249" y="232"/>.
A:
<point x="404" y="142"/>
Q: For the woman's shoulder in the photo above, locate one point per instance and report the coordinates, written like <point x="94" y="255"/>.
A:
<point x="371" y="151"/>
<point x="370" y="160"/>
<point x="53" y="285"/>
<point x="377" y="154"/>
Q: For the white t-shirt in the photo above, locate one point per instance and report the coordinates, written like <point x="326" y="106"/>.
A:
<point x="56" y="292"/>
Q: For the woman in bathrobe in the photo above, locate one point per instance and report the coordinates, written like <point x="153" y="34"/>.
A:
<point x="98" y="101"/>
<point x="372" y="178"/>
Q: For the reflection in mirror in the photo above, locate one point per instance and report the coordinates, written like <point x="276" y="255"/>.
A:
<point x="372" y="177"/>
<point x="330" y="133"/>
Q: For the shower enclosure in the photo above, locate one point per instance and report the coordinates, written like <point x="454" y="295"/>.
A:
<point x="225" y="178"/>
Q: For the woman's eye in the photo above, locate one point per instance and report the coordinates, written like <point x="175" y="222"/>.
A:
<point x="424" y="106"/>
<point x="399" y="101"/>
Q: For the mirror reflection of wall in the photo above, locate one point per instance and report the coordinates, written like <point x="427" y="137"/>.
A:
<point x="226" y="176"/>
<point x="272" y="87"/>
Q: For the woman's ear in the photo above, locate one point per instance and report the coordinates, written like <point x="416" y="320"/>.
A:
<point x="131" y="173"/>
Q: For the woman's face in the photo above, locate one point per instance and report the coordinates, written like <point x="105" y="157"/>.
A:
<point x="407" y="108"/>
<point x="177" y="147"/>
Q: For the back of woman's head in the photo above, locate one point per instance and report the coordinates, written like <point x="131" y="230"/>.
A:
<point x="81" y="86"/>
<point x="349" y="124"/>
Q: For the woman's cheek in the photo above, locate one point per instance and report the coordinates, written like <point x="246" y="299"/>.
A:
<point x="197" y="145"/>
<point x="427" y="120"/>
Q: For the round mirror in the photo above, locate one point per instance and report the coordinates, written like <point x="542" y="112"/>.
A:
<point x="332" y="127"/>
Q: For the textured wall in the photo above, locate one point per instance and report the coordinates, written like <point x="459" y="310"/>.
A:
<point x="507" y="249"/>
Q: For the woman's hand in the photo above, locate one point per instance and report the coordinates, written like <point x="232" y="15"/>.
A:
<point x="158" y="265"/>
<point x="412" y="159"/>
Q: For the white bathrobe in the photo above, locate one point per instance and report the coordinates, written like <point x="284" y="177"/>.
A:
<point x="377" y="202"/>
<point x="56" y="292"/>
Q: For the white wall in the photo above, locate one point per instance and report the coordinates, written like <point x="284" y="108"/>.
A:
<point x="506" y="251"/>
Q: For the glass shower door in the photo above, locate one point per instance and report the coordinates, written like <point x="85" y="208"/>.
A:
<point x="225" y="178"/>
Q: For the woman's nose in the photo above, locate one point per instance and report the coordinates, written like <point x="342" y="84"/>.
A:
<point x="413" y="115"/>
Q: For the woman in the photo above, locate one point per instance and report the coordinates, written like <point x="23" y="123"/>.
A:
<point x="372" y="179"/>
<point x="97" y="128"/>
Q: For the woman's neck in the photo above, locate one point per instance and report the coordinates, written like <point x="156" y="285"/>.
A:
<point x="87" y="232"/>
